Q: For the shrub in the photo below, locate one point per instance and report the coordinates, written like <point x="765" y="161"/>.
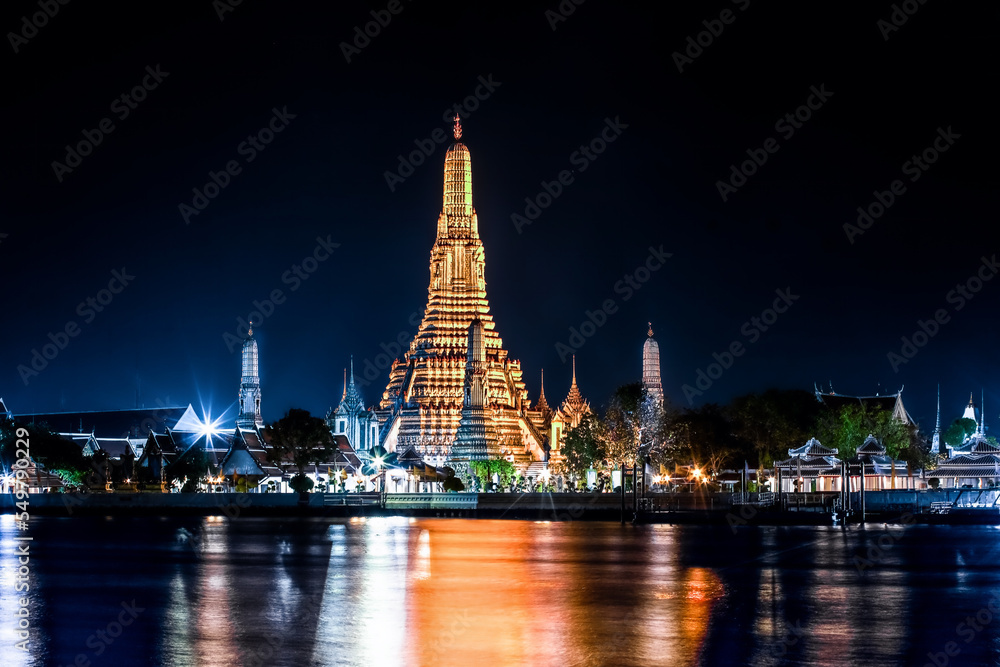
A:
<point x="301" y="483"/>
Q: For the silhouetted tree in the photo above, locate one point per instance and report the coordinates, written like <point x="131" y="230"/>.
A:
<point x="298" y="440"/>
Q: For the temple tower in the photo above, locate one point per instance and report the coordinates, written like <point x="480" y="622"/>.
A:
<point x="250" y="386"/>
<point x="424" y="400"/>
<point x="970" y="411"/>
<point x="575" y="406"/>
<point x="476" y="438"/>
<point x="352" y="419"/>
<point x="936" y="438"/>
<point x="651" y="366"/>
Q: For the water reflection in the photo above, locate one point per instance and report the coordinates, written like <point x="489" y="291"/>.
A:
<point x="447" y="592"/>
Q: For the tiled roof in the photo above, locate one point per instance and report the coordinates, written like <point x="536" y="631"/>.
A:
<point x="108" y="423"/>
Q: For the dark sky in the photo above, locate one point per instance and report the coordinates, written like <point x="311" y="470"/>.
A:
<point x="323" y="176"/>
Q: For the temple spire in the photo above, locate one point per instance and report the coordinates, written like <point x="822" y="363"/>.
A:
<point x="542" y="405"/>
<point x="982" y="412"/>
<point x="344" y="394"/>
<point x="936" y="437"/>
<point x="457" y="128"/>
<point x="651" y="366"/>
<point x="458" y="217"/>
<point x="249" y="394"/>
<point x="573" y="384"/>
<point x="937" y="423"/>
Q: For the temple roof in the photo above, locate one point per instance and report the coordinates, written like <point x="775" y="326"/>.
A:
<point x="109" y="423"/>
<point x="812" y="448"/>
<point x="352" y="402"/>
<point x="542" y="403"/>
<point x="574" y="403"/>
<point x="115" y="447"/>
<point x="890" y="402"/>
<point x="239" y="461"/>
<point x="871" y="446"/>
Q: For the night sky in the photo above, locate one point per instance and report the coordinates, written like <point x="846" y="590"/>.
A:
<point x="885" y="94"/>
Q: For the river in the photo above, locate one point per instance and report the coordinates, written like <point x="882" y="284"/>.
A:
<point x="396" y="591"/>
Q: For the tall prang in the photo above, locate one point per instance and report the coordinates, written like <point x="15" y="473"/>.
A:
<point x="422" y="404"/>
<point x="651" y="366"/>
<point x="250" y="386"/>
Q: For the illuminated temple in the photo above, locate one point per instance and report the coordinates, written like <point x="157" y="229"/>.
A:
<point x="444" y="380"/>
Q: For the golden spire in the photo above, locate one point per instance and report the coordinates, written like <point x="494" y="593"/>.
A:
<point x="457" y="130"/>
<point x="650" y="333"/>
<point x="457" y="204"/>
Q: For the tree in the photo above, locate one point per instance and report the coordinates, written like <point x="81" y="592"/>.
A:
<point x="704" y="437"/>
<point x="959" y="430"/>
<point x="620" y="437"/>
<point x="582" y="445"/>
<point x="193" y="465"/>
<point x="301" y="483"/>
<point x="485" y="470"/>
<point x="656" y="421"/>
<point x="847" y="428"/>
<point x="298" y="440"/>
<point x="58" y="455"/>
<point x="773" y="422"/>
<point x="453" y="483"/>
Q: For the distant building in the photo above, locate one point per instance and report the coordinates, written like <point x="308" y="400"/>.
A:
<point x="815" y="468"/>
<point x="249" y="394"/>
<point x="651" y="367"/>
<point x="890" y="402"/>
<point x="352" y="419"/>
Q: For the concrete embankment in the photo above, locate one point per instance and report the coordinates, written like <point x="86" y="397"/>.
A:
<point x="962" y="506"/>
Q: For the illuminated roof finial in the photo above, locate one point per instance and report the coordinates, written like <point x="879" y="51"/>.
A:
<point x="250" y="330"/>
<point x="457" y="130"/>
<point x="650" y="332"/>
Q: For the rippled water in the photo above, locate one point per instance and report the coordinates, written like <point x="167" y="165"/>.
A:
<point x="465" y="592"/>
